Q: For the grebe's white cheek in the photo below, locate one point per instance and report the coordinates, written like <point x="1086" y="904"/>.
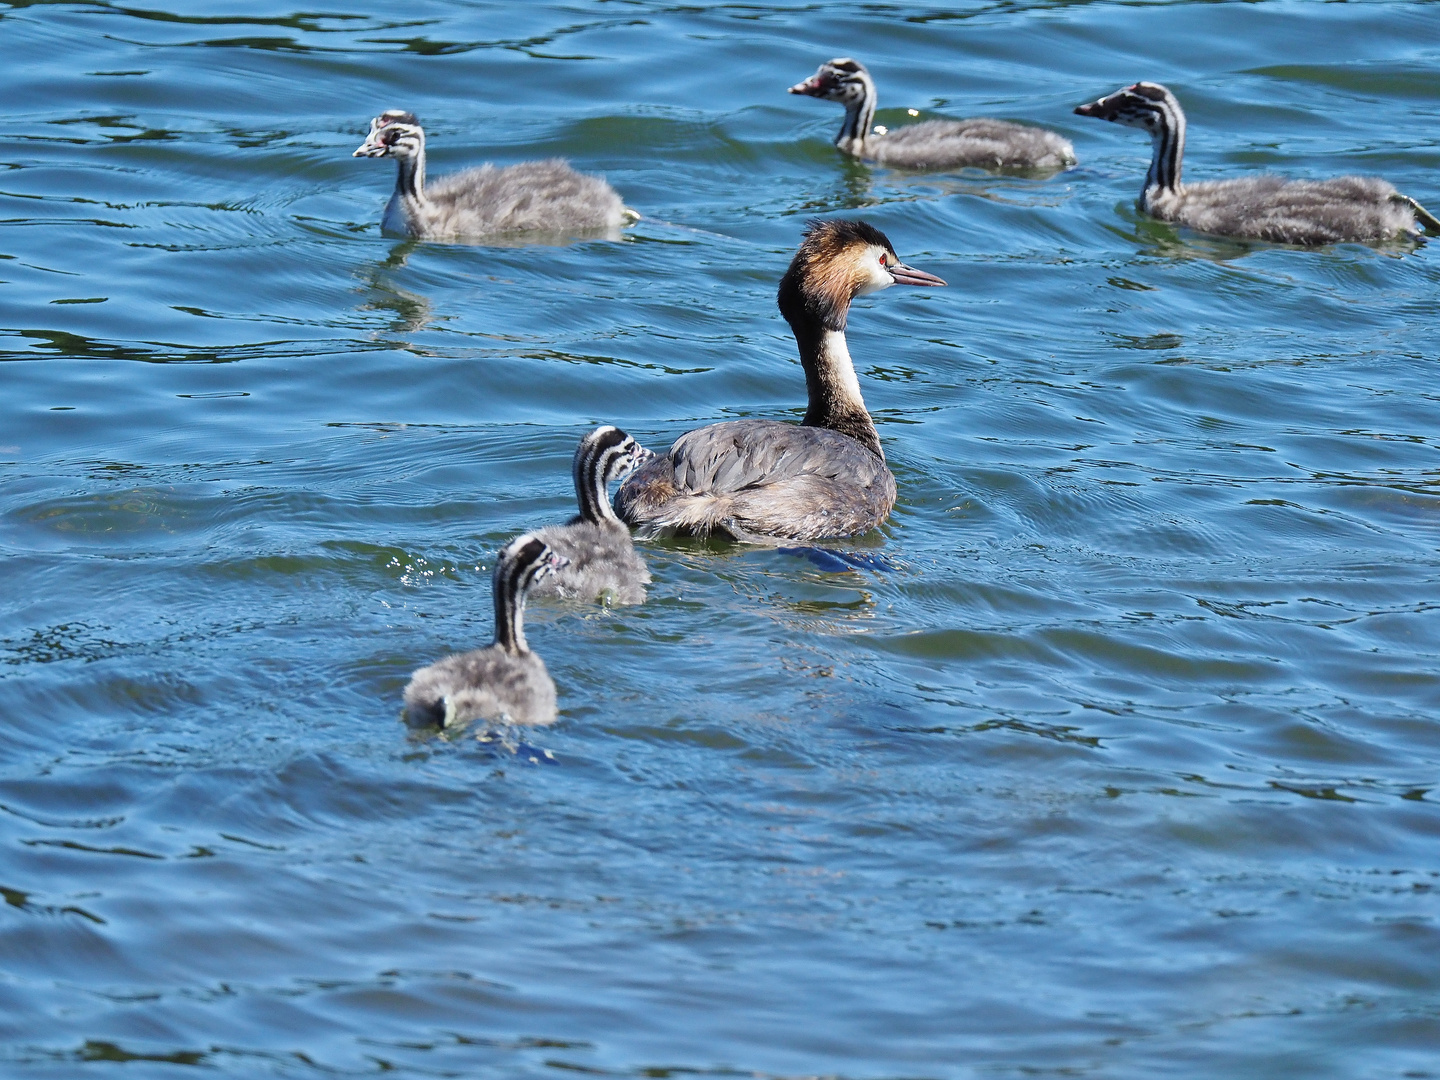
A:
<point x="877" y="277"/>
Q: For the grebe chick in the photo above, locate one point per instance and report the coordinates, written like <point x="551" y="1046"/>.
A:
<point x="931" y="144"/>
<point x="534" y="196"/>
<point x="759" y="479"/>
<point x="603" y="562"/>
<point x="1263" y="207"/>
<point x="504" y="681"/>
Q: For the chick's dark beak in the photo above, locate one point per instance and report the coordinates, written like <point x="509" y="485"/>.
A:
<point x="371" y="147"/>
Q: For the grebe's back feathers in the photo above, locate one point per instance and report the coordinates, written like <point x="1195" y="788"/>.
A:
<point x="730" y="472"/>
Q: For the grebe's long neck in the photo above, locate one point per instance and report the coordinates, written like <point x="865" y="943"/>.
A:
<point x="410" y="182"/>
<point x="859" y="113"/>
<point x="592" y="473"/>
<point x="831" y="385"/>
<point x="1168" y="136"/>
<point x="508" y="585"/>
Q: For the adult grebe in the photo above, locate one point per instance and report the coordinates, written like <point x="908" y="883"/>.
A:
<point x="1343" y="208"/>
<point x="758" y="479"/>
<point x="504" y="681"/>
<point x="534" y="196"/>
<point x="931" y="144"/>
<point x="603" y="563"/>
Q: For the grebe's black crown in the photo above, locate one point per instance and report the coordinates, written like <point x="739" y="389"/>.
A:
<point x="837" y="233"/>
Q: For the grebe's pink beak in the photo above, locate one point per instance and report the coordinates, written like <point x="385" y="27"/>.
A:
<point x="908" y="275"/>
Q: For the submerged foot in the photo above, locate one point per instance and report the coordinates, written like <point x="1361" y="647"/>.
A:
<point x="840" y="562"/>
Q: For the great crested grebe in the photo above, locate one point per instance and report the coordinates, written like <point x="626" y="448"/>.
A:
<point x="534" y="196"/>
<point x="931" y="144"/>
<point x="1263" y="207"/>
<point x="603" y="563"/>
<point x="764" y="479"/>
<point x="504" y="681"/>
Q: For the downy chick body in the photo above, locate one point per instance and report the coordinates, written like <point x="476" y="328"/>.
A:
<point x="603" y="564"/>
<point x="532" y="197"/>
<point x="979" y="142"/>
<point x="1263" y="207"/>
<point x="504" y="682"/>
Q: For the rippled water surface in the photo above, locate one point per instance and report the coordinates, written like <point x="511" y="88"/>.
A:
<point x="1124" y="767"/>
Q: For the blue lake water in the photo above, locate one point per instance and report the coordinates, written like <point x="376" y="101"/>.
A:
<point x="1120" y="762"/>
